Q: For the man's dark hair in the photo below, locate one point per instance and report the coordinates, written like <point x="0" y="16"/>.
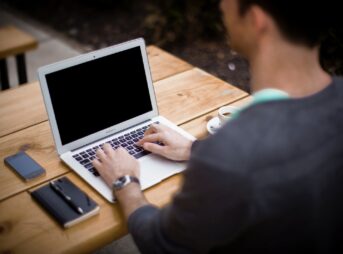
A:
<point x="300" y="21"/>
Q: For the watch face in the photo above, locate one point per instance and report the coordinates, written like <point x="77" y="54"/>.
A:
<point x="123" y="181"/>
<point x="120" y="182"/>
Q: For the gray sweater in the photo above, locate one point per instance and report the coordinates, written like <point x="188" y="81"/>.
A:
<point x="269" y="181"/>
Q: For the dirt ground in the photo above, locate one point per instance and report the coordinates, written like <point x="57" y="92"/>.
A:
<point x="97" y="24"/>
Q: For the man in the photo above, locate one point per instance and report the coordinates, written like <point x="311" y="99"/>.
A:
<point x="271" y="179"/>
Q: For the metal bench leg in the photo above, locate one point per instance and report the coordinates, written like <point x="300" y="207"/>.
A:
<point x="21" y="68"/>
<point x="5" y="84"/>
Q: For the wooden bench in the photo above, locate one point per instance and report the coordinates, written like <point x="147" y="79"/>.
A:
<point x="14" y="42"/>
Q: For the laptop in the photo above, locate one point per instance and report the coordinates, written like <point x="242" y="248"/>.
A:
<point x="105" y="96"/>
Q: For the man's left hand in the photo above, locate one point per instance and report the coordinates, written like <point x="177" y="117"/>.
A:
<point x="113" y="164"/>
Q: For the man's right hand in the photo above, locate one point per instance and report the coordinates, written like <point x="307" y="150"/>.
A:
<point x="175" y="146"/>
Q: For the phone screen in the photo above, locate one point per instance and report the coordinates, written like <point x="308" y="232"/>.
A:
<point x="24" y="165"/>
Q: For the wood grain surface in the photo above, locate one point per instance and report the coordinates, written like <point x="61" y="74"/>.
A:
<point x="21" y="107"/>
<point x="193" y="93"/>
<point x="164" y="65"/>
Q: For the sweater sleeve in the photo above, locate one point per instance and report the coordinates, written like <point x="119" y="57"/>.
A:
<point x="209" y="211"/>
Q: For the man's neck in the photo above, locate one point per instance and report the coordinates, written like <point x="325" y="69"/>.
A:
<point x="291" y="68"/>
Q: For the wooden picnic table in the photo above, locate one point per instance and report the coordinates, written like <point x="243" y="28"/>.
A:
<point x="185" y="94"/>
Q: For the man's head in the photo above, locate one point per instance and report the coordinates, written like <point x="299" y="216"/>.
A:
<point x="299" y="22"/>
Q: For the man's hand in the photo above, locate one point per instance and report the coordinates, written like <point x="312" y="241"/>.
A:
<point x="113" y="164"/>
<point x="175" y="146"/>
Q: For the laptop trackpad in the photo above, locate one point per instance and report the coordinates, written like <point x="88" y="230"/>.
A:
<point x="155" y="169"/>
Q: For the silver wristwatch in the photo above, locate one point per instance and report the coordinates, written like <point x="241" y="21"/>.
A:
<point x="121" y="182"/>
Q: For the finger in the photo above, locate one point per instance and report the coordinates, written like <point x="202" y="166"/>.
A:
<point x="154" y="128"/>
<point x="101" y="170"/>
<point x="154" y="148"/>
<point x="150" y="130"/>
<point x="101" y="155"/>
<point x="150" y="138"/>
<point x="107" y="149"/>
<point x="120" y="149"/>
<point x="96" y="163"/>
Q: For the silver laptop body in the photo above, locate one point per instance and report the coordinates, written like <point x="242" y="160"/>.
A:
<point x="99" y="97"/>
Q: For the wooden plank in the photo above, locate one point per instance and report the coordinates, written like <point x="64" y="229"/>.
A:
<point x="20" y="108"/>
<point x="193" y="93"/>
<point x="197" y="127"/>
<point x="26" y="228"/>
<point x="164" y="65"/>
<point x="14" y="41"/>
<point x="38" y="142"/>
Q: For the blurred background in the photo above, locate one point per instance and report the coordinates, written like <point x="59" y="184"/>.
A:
<point x="189" y="29"/>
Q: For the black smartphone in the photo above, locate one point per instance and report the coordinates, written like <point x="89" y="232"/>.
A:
<point x="24" y="166"/>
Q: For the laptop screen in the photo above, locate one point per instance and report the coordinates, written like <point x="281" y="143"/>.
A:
<point x="98" y="94"/>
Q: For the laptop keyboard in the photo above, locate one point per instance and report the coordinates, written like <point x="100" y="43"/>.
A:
<point x="126" y="141"/>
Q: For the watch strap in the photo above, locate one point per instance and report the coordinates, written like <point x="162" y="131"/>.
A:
<point x="123" y="181"/>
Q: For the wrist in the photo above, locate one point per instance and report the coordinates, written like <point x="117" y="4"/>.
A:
<point x="130" y="192"/>
<point x="130" y="199"/>
<point x="122" y="181"/>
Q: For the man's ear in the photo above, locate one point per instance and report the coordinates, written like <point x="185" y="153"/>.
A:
<point x="259" y="19"/>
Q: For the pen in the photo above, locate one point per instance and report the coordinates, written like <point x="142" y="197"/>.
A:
<point x="68" y="199"/>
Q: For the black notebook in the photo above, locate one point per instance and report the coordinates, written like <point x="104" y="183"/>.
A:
<point x="65" y="213"/>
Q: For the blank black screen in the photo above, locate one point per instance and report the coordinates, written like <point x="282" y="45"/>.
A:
<point x="99" y="94"/>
